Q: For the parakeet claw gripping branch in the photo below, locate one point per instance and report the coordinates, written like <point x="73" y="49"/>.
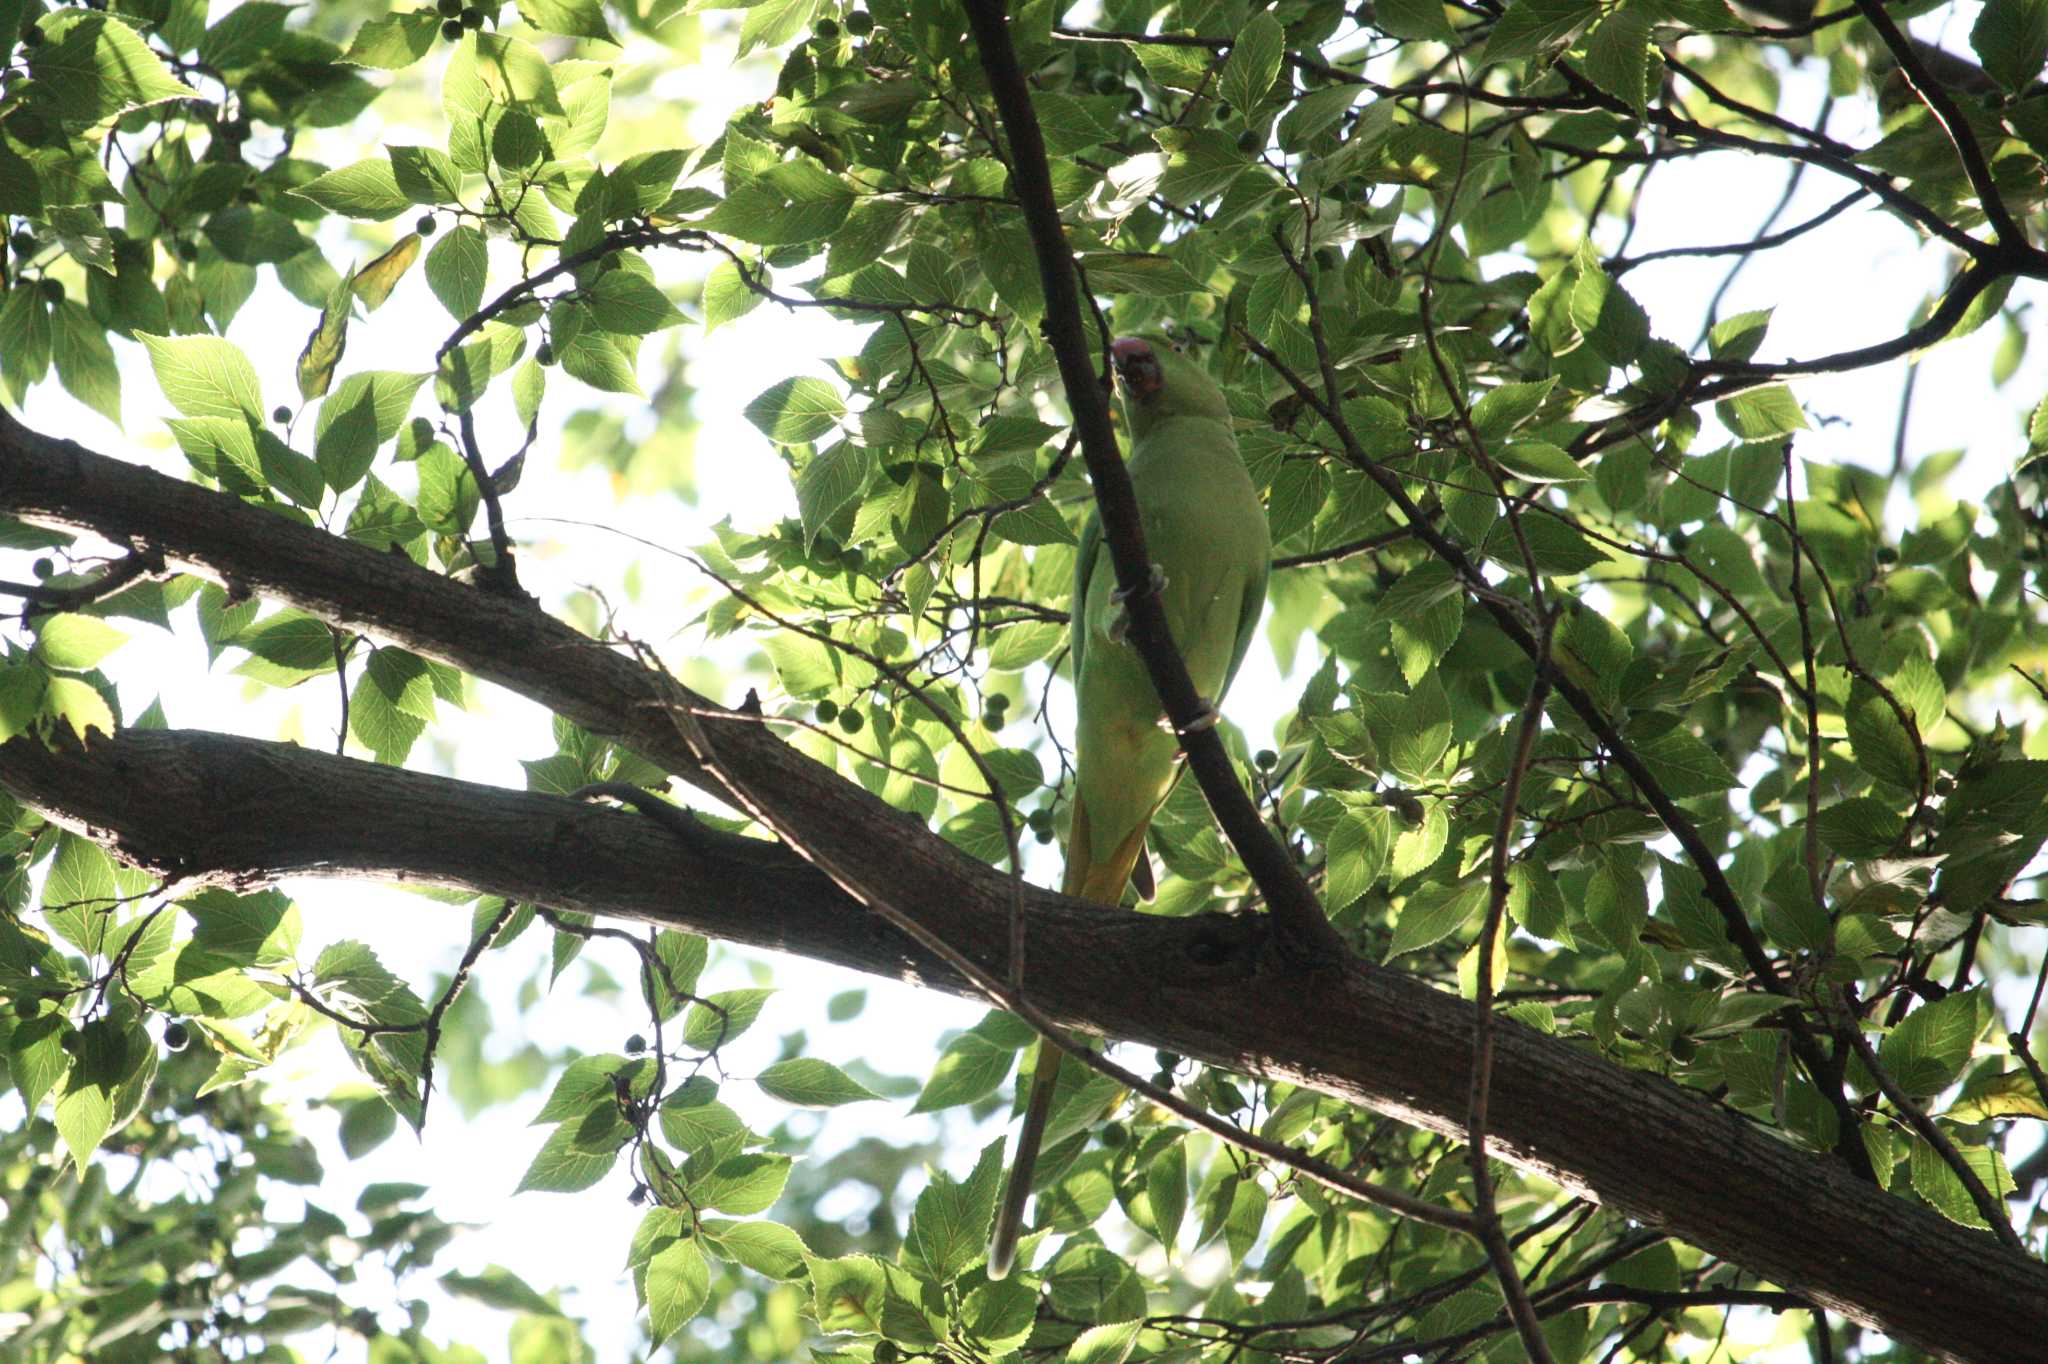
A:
<point x="1206" y="530"/>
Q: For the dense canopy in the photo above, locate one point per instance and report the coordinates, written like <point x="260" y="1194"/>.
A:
<point x="1611" y="929"/>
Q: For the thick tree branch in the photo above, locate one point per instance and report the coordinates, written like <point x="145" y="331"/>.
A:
<point x="209" y="808"/>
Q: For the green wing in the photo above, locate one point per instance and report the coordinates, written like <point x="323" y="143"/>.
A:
<point x="1077" y="611"/>
<point x="1248" y="621"/>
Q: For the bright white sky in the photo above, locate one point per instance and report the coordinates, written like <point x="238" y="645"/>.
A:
<point x="1856" y="280"/>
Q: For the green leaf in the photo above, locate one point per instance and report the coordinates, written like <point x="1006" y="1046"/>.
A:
<point x="949" y="1225"/>
<point x="1538" y="462"/>
<point x="1934" y="1181"/>
<point x="622" y="301"/>
<point x="765" y="1247"/>
<point x="830" y="479"/>
<point x="367" y="189"/>
<point x="1762" y="413"/>
<point x="772" y="23"/>
<point x="91" y="66"/>
<point x="1882" y="745"/>
<point x="2010" y="38"/>
<point x="722" y="1017"/>
<point x="742" y="1184"/>
<point x="1111" y="1344"/>
<point x="515" y="73"/>
<point x="970" y="1068"/>
<point x="847" y="1293"/>
<point x="78" y="706"/>
<point x="675" y="1284"/>
<point x="1529" y="28"/>
<point x="395" y="41"/>
<point x="1166" y="1193"/>
<point x="571" y="18"/>
<point x="811" y="1083"/>
<point x="1434" y="913"/>
<point x="358" y="417"/>
<point x="1737" y="337"/>
<point x="574" y="1158"/>
<point x="205" y="376"/>
<point x="1502" y="409"/>
<point x="74" y="641"/>
<point x="1424" y="734"/>
<point x="726" y="296"/>
<point x="1136" y="272"/>
<point x="1619" y="57"/>
<point x="1927" y="1051"/>
<point x="105" y="1058"/>
<point x="1254" y="61"/>
<point x="796" y="411"/>
<point x="85" y="361"/>
<point x="456" y="269"/>
<point x="1413" y="20"/>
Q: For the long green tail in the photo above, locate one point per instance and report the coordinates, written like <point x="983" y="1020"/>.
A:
<point x="1102" y="881"/>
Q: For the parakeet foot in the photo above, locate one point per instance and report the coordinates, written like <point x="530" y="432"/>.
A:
<point x="1206" y="720"/>
<point x="1120" y="616"/>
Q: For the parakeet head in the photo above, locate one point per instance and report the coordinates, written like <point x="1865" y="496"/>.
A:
<point x="1159" y="383"/>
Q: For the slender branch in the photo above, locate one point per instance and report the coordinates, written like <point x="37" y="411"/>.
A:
<point x="1950" y="117"/>
<point x="1292" y="901"/>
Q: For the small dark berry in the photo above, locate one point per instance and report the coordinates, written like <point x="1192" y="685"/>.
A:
<point x="1887" y="555"/>
<point x="1108" y="83"/>
<point x="545" y="354"/>
<point x="426" y="225"/>
<point x="860" y="23"/>
<point x="826" y="29"/>
<point x="31" y="37"/>
<point x="1115" y="1134"/>
<point x="1166" y="1060"/>
<point x="27" y="1007"/>
<point x="828" y="710"/>
<point x="43" y="568"/>
<point x="635" y="1045"/>
<point x="24" y="244"/>
<point x="887" y="1352"/>
<point x="1684" y="1048"/>
<point x="1043" y="835"/>
<point x="1680" y="540"/>
<point x="994" y="716"/>
<point x="1249" y="142"/>
<point x="177" y="1036"/>
<point x="852" y="721"/>
<point x="1266" y="759"/>
<point x="1223" y="111"/>
<point x="186" y="251"/>
<point x="53" y="292"/>
<point x="450" y="9"/>
<point x="281" y="415"/>
<point x="472" y="16"/>
<point x="638" y="1196"/>
<point x="451" y="29"/>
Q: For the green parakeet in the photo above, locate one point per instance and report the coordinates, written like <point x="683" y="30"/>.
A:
<point x="1206" y="533"/>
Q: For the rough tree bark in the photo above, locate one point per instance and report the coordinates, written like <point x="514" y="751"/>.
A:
<point x="199" y="807"/>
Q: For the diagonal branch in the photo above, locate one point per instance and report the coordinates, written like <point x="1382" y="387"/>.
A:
<point x="207" y="808"/>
